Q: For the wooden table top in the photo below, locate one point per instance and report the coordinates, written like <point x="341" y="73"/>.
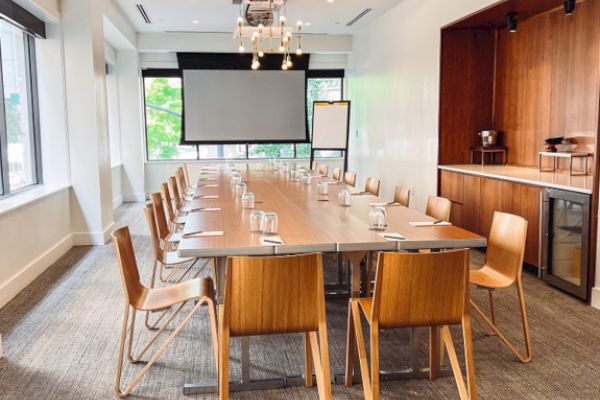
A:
<point x="306" y="223"/>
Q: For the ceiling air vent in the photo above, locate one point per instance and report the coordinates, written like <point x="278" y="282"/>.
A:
<point x="359" y="16"/>
<point x="142" y="11"/>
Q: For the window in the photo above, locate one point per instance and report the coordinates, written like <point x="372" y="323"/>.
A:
<point x="19" y="136"/>
<point x="163" y="98"/>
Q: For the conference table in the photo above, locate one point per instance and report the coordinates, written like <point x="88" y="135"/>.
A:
<point x="308" y="222"/>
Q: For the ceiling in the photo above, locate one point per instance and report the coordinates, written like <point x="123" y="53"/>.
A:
<point x="319" y="16"/>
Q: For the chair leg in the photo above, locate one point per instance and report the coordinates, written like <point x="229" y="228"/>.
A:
<point x="375" y="360"/>
<point x="308" y="375"/>
<point x="223" y="359"/>
<point x="362" y="351"/>
<point x="434" y="352"/>
<point x="492" y="307"/>
<point x="458" y="378"/>
<point x="350" y="347"/>
<point x="320" y="355"/>
<point x="469" y="359"/>
<point x="523" y="358"/>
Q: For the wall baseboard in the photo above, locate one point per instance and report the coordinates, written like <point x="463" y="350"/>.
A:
<point x="93" y="238"/>
<point x="19" y="281"/>
<point x="595" y="297"/>
<point x="117" y="201"/>
<point x="134" y="197"/>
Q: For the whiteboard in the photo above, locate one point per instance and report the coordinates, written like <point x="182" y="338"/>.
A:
<point x="330" y="125"/>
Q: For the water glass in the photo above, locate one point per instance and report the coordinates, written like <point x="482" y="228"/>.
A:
<point x="248" y="200"/>
<point x="377" y="218"/>
<point x="270" y="223"/>
<point x="257" y="219"/>
<point x="323" y="188"/>
<point x="240" y="189"/>
<point x="236" y="178"/>
<point x="344" y="197"/>
<point x="306" y="178"/>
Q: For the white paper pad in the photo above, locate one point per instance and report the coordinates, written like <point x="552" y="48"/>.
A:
<point x="273" y="238"/>
<point x="207" y="185"/>
<point x="378" y="204"/>
<point x="392" y="236"/>
<point x="189" y="209"/>
<point x="430" y="223"/>
<point x="203" y="234"/>
<point x="209" y="178"/>
<point x="206" y="196"/>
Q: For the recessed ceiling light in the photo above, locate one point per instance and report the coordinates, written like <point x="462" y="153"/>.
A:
<point x="307" y="23"/>
<point x="330" y="1"/>
<point x="195" y="21"/>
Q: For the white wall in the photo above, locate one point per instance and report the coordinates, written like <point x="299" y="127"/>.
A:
<point x="393" y="83"/>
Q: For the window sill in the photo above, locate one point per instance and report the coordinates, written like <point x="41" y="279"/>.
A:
<point x="35" y="193"/>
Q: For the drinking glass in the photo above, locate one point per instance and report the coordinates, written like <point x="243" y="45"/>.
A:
<point x="306" y="177"/>
<point x="248" y="200"/>
<point x="240" y="189"/>
<point x="377" y="218"/>
<point x="345" y="197"/>
<point x="323" y="189"/>
<point x="257" y="221"/>
<point x="270" y="223"/>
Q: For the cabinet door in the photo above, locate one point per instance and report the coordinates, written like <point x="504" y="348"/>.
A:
<point x="530" y="210"/>
<point x="452" y="186"/>
<point x="490" y="201"/>
<point x="470" y="208"/>
<point x="456" y="214"/>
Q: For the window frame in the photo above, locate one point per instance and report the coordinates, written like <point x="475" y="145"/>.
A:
<point x="176" y="73"/>
<point x="33" y="118"/>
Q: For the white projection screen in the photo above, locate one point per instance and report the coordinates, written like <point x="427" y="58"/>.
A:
<point x="242" y="106"/>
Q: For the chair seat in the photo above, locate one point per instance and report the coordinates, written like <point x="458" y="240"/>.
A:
<point x="171" y="258"/>
<point x="160" y="298"/>
<point x="489" y="278"/>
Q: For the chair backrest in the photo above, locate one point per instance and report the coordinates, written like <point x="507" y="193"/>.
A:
<point x="506" y="244"/>
<point x="337" y="174"/>
<point x="372" y="186"/>
<point x="270" y="295"/>
<point x="186" y="175"/>
<point x="350" y="178"/>
<point x="154" y="236"/>
<point x="166" y="196"/>
<point x="159" y="215"/>
<point x="421" y="289"/>
<point x="402" y="195"/>
<point x="314" y="165"/>
<point x="130" y="276"/>
<point x="439" y="208"/>
<point x="181" y="186"/>
<point x="175" y="192"/>
<point x="323" y="169"/>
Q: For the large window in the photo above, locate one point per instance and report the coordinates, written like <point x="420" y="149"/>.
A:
<point x="19" y="139"/>
<point x="163" y="98"/>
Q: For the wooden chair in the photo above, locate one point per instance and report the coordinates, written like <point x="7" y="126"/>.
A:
<point x="372" y="186"/>
<point x="276" y="295"/>
<point x="179" y="202"/>
<point x="314" y="166"/>
<point x="439" y="208"/>
<point x="402" y="196"/>
<point x="140" y="298"/>
<point x="168" y="238"/>
<point x="176" y="221"/>
<point x="337" y="174"/>
<point x="503" y="266"/>
<point x="414" y="290"/>
<point x="186" y="176"/>
<point x="323" y="169"/>
<point x="350" y="178"/>
<point x="184" y="190"/>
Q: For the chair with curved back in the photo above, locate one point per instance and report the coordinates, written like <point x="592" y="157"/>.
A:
<point x="168" y="237"/>
<point x="372" y="186"/>
<point x="337" y="174"/>
<point x="140" y="298"/>
<point x="350" y="178"/>
<point x="276" y="295"/>
<point x="438" y="208"/>
<point x="176" y="221"/>
<point x="502" y="269"/>
<point x="323" y="169"/>
<point x="314" y="166"/>
<point x="414" y="290"/>
<point x="402" y="196"/>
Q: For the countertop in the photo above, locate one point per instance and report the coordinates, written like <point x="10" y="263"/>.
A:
<point x="526" y="175"/>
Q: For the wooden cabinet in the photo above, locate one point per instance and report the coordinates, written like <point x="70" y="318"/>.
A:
<point x="477" y="198"/>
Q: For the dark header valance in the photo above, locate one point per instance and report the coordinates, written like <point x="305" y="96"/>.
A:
<point x="20" y="17"/>
<point x="238" y="61"/>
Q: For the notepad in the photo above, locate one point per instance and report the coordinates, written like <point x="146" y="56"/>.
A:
<point x="202" y="209"/>
<point x="378" y="204"/>
<point x="208" y="178"/>
<point x="209" y="185"/>
<point x="203" y="234"/>
<point x="430" y="223"/>
<point x="271" y="241"/>
<point x="392" y="236"/>
<point x="206" y="196"/>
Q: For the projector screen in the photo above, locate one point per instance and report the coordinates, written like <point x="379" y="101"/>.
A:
<point x="242" y="106"/>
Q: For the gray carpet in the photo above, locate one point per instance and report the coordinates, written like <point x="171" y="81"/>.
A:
<point x="60" y="338"/>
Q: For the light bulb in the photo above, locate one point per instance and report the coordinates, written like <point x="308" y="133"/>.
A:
<point x="261" y="54"/>
<point x="298" y="51"/>
<point x="288" y="34"/>
<point x="285" y="39"/>
<point x="240" y="21"/>
<point x="284" y="66"/>
<point x="282" y="19"/>
<point x="289" y="63"/>
<point x="281" y="49"/>
<point x="260" y="27"/>
<point x="255" y="65"/>
<point x="241" y="49"/>
<point x="255" y="34"/>
<point x="299" y="24"/>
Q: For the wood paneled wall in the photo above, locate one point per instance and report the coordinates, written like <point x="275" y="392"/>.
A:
<point x="466" y="91"/>
<point x="548" y="81"/>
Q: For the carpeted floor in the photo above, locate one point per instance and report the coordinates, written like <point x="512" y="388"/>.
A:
<point x="60" y="338"/>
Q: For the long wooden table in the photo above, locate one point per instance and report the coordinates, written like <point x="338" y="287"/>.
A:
<point x="308" y="222"/>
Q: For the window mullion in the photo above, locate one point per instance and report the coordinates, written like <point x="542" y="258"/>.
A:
<point x="32" y="93"/>
<point x="3" y="136"/>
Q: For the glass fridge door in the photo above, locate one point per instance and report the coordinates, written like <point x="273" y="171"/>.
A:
<point x="567" y="240"/>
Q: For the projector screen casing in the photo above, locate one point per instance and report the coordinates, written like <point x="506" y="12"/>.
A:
<point x="243" y="106"/>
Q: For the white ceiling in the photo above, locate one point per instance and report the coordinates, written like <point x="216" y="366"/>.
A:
<point x="220" y="15"/>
